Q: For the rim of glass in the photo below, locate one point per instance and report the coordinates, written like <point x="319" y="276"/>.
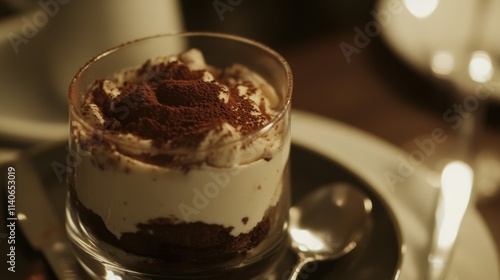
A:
<point x="286" y="102"/>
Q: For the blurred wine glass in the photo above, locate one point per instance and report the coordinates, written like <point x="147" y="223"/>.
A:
<point x="470" y="73"/>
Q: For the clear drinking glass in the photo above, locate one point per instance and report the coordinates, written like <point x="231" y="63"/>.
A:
<point x="132" y="215"/>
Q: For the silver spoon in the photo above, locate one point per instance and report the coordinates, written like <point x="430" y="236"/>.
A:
<point x="328" y="223"/>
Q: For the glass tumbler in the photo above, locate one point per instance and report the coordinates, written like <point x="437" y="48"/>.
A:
<point x="136" y="210"/>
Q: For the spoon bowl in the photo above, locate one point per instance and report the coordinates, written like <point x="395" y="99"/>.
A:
<point x="329" y="223"/>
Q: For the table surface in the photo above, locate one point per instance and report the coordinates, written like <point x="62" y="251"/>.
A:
<point x="379" y="93"/>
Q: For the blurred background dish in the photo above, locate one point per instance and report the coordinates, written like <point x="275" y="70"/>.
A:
<point x="456" y="44"/>
<point x="28" y="113"/>
<point x="441" y="36"/>
<point x="44" y="43"/>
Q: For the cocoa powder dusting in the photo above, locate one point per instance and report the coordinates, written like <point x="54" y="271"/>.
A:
<point x="174" y="105"/>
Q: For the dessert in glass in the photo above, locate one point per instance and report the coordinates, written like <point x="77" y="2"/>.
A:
<point x="182" y="159"/>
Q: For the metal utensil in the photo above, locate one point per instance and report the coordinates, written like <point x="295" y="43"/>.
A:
<point x="328" y="223"/>
<point x="39" y="223"/>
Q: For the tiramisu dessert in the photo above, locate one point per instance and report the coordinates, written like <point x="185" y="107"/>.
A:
<point x="181" y="162"/>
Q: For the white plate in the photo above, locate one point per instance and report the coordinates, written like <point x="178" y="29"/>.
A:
<point x="412" y="201"/>
<point x="452" y="26"/>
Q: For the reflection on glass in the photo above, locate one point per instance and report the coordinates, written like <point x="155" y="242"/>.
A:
<point x="21" y="217"/>
<point x="368" y="205"/>
<point x="311" y="242"/>
<point x="421" y="8"/>
<point x="456" y="186"/>
<point x="442" y="63"/>
<point x="480" y="67"/>
<point x="110" y="275"/>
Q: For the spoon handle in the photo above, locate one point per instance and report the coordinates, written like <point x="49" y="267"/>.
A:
<point x="298" y="267"/>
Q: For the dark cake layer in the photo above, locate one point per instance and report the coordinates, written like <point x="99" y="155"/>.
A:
<point x="179" y="242"/>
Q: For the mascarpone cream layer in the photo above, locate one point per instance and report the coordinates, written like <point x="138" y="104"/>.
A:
<point x="234" y="187"/>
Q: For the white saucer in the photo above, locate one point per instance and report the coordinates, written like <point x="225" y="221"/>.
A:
<point x="412" y="201"/>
